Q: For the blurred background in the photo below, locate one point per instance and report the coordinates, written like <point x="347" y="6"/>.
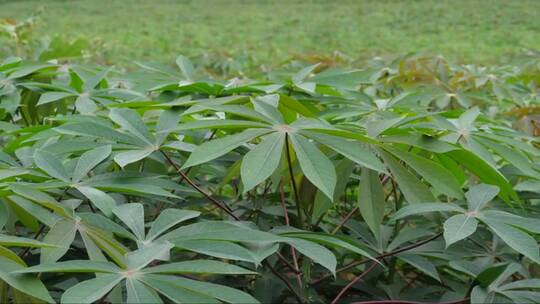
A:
<point x="258" y="33"/>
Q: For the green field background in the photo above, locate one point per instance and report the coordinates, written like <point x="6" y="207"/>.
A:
<point x="480" y="31"/>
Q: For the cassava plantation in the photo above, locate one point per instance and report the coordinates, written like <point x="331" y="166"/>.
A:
<point x="406" y="179"/>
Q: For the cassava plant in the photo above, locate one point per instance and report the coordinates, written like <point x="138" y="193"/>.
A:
<point x="411" y="181"/>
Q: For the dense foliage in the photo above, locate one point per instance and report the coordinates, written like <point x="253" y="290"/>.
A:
<point x="412" y="180"/>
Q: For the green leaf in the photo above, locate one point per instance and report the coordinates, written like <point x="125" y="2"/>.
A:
<point x="98" y="131"/>
<point x="267" y="105"/>
<point x="11" y="241"/>
<point x="219" y="249"/>
<point x="80" y="266"/>
<point x="198" y="267"/>
<point x="85" y="105"/>
<point x="167" y="219"/>
<point x="25" y="283"/>
<point x="125" y="158"/>
<point x="39" y="197"/>
<point x="186" y="67"/>
<point x="315" y="165"/>
<point x="220" y="292"/>
<point x="168" y="120"/>
<point x="479" y="195"/>
<point x="411" y="187"/>
<point x="426" y="208"/>
<point x="138" y="292"/>
<point x="351" y="149"/>
<point x="49" y="97"/>
<point x="130" y="121"/>
<point x="133" y="216"/>
<point x="322" y="203"/>
<point x="422" y="264"/>
<point x="218" y="147"/>
<point x="515" y="238"/>
<point x="522" y="284"/>
<point x="434" y="173"/>
<point x="49" y="163"/>
<point x="91" y="290"/>
<point x="341" y="242"/>
<point x="259" y="163"/>
<point x="514" y="157"/>
<point x="315" y="252"/>
<point x="32" y="210"/>
<point x="371" y="200"/>
<point x="485" y="173"/>
<point x="170" y="287"/>
<point x="62" y="235"/>
<point x="459" y="227"/>
<point x="89" y="160"/>
<point x="91" y="83"/>
<point x="150" y="252"/>
<point x="220" y="231"/>
<point x="100" y="199"/>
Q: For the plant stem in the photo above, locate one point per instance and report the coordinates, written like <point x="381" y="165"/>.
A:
<point x="345" y="220"/>
<point x="293" y="251"/>
<point x="27" y="249"/>
<point x="221" y="206"/>
<point x="189" y="169"/>
<point x="293" y="183"/>
<point x="284" y="280"/>
<point x="384" y="255"/>
<point x="351" y="283"/>
<point x="288" y="264"/>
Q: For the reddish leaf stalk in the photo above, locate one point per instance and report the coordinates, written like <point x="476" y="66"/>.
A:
<point x="351" y="283"/>
<point x="384" y="255"/>
<point x="221" y="206"/>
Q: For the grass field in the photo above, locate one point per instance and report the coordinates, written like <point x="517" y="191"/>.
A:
<point x="270" y="31"/>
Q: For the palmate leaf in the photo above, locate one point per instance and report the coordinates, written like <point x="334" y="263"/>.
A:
<point x="81" y="266"/>
<point x="130" y="121"/>
<point x="198" y="266"/>
<point x="62" y="235"/>
<point x="91" y="290"/>
<point x="411" y="187"/>
<point x="222" y="249"/>
<point x="407" y="122"/>
<point x="27" y="284"/>
<point x="434" y="173"/>
<point x="485" y="172"/>
<point x="167" y="219"/>
<point x="218" y="147"/>
<point x="110" y="276"/>
<point x="515" y="238"/>
<point x="321" y="203"/>
<point x="100" y="199"/>
<point x="191" y="291"/>
<point x="262" y="161"/>
<point x="49" y="97"/>
<point x="315" y="165"/>
<point x="371" y="200"/>
<point x="49" y="163"/>
<point x="138" y="292"/>
<point x="133" y="216"/>
<point x="350" y="149"/>
<point x="425" y="208"/>
<point x="479" y="195"/>
<point x="89" y="160"/>
<point x="318" y="254"/>
<point x="459" y="227"/>
<point x="12" y="241"/>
